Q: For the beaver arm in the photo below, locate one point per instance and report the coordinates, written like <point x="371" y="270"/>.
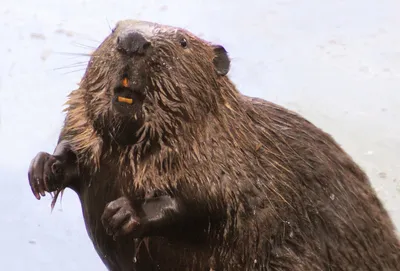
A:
<point x="171" y="217"/>
<point x="160" y="213"/>
<point x="66" y="163"/>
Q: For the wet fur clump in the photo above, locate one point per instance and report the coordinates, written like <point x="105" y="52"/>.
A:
<point x="267" y="189"/>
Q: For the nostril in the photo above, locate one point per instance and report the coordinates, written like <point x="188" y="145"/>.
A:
<point x="132" y="43"/>
<point x="146" y="45"/>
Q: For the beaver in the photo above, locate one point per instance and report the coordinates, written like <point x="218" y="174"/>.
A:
<point x="176" y="169"/>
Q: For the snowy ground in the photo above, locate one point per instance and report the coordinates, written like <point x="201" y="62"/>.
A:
<point x="337" y="62"/>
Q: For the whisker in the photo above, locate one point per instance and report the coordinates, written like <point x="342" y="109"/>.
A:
<point x="83" y="45"/>
<point x="109" y="26"/>
<point x="73" y="54"/>
<point x="75" y="65"/>
<point x="73" y="57"/>
<point x="92" y="40"/>
<point x="73" y="71"/>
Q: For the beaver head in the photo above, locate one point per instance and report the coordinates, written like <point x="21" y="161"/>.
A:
<point x="148" y="80"/>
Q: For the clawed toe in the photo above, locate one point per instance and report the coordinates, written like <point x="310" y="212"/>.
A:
<point x="119" y="218"/>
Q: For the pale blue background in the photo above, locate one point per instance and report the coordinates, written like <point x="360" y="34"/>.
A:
<point x="335" y="61"/>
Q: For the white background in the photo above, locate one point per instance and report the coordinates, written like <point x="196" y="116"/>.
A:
<point x="336" y="62"/>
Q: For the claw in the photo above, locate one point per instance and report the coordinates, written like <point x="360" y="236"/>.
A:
<point x="119" y="218"/>
<point x="39" y="174"/>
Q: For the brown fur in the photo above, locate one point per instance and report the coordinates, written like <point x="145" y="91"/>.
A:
<point x="280" y="193"/>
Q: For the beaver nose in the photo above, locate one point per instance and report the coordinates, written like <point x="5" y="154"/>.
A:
<point x="132" y="43"/>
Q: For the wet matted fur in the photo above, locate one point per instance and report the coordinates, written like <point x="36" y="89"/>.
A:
<point x="266" y="189"/>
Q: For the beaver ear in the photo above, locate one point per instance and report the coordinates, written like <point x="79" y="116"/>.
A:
<point x="221" y="60"/>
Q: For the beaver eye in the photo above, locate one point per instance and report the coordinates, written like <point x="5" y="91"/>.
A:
<point x="183" y="43"/>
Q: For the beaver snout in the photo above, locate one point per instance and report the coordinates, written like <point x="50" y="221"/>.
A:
<point x="132" y="42"/>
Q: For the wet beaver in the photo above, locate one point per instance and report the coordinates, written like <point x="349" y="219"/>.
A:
<point x="177" y="170"/>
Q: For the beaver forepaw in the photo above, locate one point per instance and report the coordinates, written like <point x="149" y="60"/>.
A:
<point x="119" y="218"/>
<point x="45" y="174"/>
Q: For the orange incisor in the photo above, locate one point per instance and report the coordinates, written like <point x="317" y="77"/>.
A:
<point x="123" y="99"/>
<point x="125" y="82"/>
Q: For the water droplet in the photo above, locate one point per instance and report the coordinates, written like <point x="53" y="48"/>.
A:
<point x="291" y="234"/>
<point x="332" y="196"/>
<point x="134" y="259"/>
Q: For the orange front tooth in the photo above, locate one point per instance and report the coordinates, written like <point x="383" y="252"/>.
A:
<point x="125" y="100"/>
<point x="125" y="82"/>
